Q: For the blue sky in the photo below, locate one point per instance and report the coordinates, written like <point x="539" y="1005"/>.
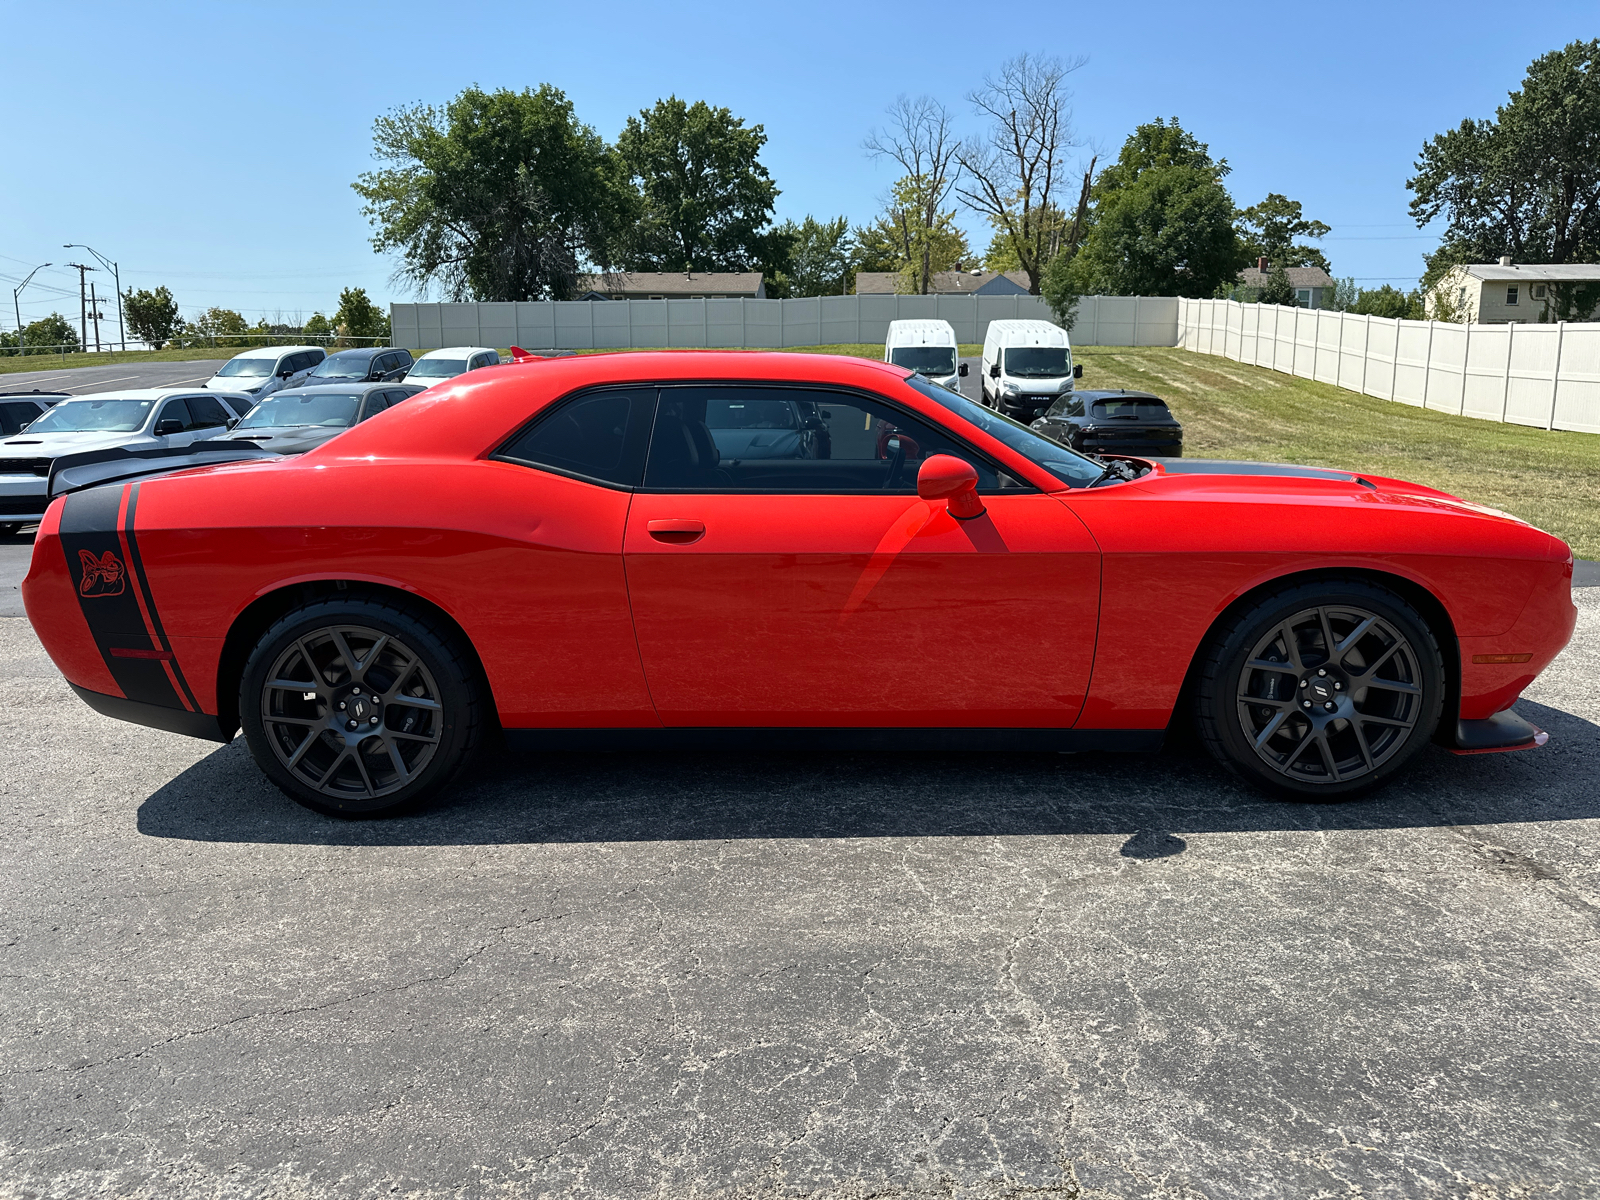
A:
<point x="211" y="147"/>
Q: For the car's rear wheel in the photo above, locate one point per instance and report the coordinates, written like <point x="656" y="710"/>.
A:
<point x="1321" y="691"/>
<point x="359" y="707"/>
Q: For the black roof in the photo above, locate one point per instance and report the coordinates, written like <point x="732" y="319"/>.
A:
<point x="30" y="394"/>
<point x="361" y="351"/>
<point x="355" y="385"/>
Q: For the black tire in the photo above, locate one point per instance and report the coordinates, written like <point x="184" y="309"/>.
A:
<point x="371" y="746"/>
<point x="1327" y="725"/>
<point x="8" y="528"/>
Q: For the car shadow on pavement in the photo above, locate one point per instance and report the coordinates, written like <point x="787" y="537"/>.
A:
<point x="653" y="796"/>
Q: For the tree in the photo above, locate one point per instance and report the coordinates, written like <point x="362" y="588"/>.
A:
<point x="1345" y="295"/>
<point x="1526" y="183"/>
<point x="705" y="200"/>
<point x="822" y="257"/>
<point x="48" y="335"/>
<point x="213" y="327"/>
<point x="496" y="196"/>
<point x="1278" y="289"/>
<point x="1163" y="224"/>
<point x="921" y="139"/>
<point x="1269" y="229"/>
<point x="152" y="316"/>
<point x="318" y="326"/>
<point x="1015" y="172"/>
<point x="358" y="317"/>
<point x="1059" y="290"/>
<point x="902" y="240"/>
<point x="1389" y="301"/>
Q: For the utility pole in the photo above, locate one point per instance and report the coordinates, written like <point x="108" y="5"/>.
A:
<point x="16" y="301"/>
<point x="83" y="303"/>
<point x="116" y="282"/>
<point x="94" y="311"/>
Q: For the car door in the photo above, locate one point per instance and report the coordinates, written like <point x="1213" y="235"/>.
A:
<point x="207" y="417"/>
<point x="783" y="573"/>
<point x="175" y="409"/>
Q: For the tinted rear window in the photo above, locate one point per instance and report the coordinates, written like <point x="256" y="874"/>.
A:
<point x="1141" y="408"/>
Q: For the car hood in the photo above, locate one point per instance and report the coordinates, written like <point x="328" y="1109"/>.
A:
<point x="48" y="445"/>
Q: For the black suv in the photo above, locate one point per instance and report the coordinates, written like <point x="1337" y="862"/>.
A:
<point x="370" y="364"/>
<point x="1134" y="423"/>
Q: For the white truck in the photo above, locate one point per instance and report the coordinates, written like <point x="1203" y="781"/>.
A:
<point x="928" y="348"/>
<point x="1026" y="366"/>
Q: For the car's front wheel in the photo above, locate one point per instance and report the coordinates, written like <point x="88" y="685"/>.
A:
<point x="1321" y="691"/>
<point x="361" y="706"/>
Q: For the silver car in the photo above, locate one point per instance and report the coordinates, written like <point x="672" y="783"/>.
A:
<point x="264" y="370"/>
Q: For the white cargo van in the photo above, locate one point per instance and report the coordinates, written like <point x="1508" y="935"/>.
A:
<point x="926" y="347"/>
<point x="1026" y="365"/>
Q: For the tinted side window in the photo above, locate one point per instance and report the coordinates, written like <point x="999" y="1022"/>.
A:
<point x="207" y="412"/>
<point x="175" y="410"/>
<point x="777" y="439"/>
<point x="14" y="416"/>
<point x="599" y="436"/>
<point x="313" y="357"/>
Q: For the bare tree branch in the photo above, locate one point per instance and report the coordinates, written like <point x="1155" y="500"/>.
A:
<point x="1015" y="172"/>
<point x="921" y="138"/>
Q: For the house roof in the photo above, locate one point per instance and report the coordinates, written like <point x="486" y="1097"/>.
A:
<point x="673" y="283"/>
<point x="1299" y="277"/>
<point x="946" y="283"/>
<point x="1542" y="272"/>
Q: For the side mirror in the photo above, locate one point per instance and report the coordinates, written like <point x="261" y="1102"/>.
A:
<point x="962" y="370"/>
<point x="232" y="421"/>
<point x="945" y="477"/>
<point x="1077" y="370"/>
<point x="994" y="371"/>
<point x="285" y="372"/>
<point x="168" y="426"/>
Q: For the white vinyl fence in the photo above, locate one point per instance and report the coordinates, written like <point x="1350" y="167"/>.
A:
<point x="1542" y="375"/>
<point x="771" y="324"/>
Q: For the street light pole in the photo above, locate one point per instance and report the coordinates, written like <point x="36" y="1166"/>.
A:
<point x="122" y="333"/>
<point x="16" y="301"/>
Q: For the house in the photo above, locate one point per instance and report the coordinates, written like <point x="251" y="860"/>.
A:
<point x="948" y="283"/>
<point x="1313" y="287"/>
<point x="673" y="285"/>
<point x="1503" y="292"/>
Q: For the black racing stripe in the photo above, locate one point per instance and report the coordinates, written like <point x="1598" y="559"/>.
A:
<point x="141" y="580"/>
<point x="108" y="602"/>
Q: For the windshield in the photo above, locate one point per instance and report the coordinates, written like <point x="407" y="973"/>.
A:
<point x="84" y="416"/>
<point x="1038" y="362"/>
<point x="437" y="368"/>
<point x="1066" y="465"/>
<point x="247" y="368"/>
<point x="298" y="408"/>
<point x="351" y="365"/>
<point x="1139" y="408"/>
<point x="925" y="360"/>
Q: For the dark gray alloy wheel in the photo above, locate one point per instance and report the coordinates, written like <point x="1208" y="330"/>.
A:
<point x="359" y="707"/>
<point x="1322" y="691"/>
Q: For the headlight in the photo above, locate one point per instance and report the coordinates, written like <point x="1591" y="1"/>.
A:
<point x="1010" y="389"/>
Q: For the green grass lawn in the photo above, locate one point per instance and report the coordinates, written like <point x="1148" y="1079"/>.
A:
<point x="1230" y="410"/>
<point x="12" y="365"/>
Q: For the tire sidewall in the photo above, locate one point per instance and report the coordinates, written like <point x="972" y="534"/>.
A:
<point x="1241" y="640"/>
<point x="455" y="694"/>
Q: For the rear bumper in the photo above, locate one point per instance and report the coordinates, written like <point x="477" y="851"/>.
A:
<point x="156" y="716"/>
<point x="1501" y="732"/>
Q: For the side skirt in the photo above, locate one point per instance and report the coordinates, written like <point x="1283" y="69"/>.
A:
<point x="157" y="716"/>
<point x="1041" y="741"/>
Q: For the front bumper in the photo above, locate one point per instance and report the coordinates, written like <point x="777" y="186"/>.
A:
<point x="1494" y="735"/>
<point x="22" y="498"/>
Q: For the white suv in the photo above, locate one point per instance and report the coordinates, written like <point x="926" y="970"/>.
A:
<point x="438" y="365"/>
<point x="261" y="372"/>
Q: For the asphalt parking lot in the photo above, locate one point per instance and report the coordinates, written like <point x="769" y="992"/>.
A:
<point x="82" y="380"/>
<point x="796" y="975"/>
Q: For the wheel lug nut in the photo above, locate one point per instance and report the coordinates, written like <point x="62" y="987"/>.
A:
<point x="1329" y="706"/>
<point x="1337" y="686"/>
<point x="1306" y="703"/>
<point x="355" y="691"/>
<point x="350" y="725"/>
<point x="1320" y="671"/>
<point x="375" y="719"/>
<point x="1302" y="683"/>
<point x="341" y="706"/>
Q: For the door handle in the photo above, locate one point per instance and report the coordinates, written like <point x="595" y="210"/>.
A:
<point x="676" y="532"/>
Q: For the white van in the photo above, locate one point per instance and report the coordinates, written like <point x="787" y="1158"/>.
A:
<point x="438" y="365"/>
<point x="926" y="347"/>
<point x="1026" y="365"/>
<point x="262" y="371"/>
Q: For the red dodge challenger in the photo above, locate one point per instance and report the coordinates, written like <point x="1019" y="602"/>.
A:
<point x="726" y="548"/>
